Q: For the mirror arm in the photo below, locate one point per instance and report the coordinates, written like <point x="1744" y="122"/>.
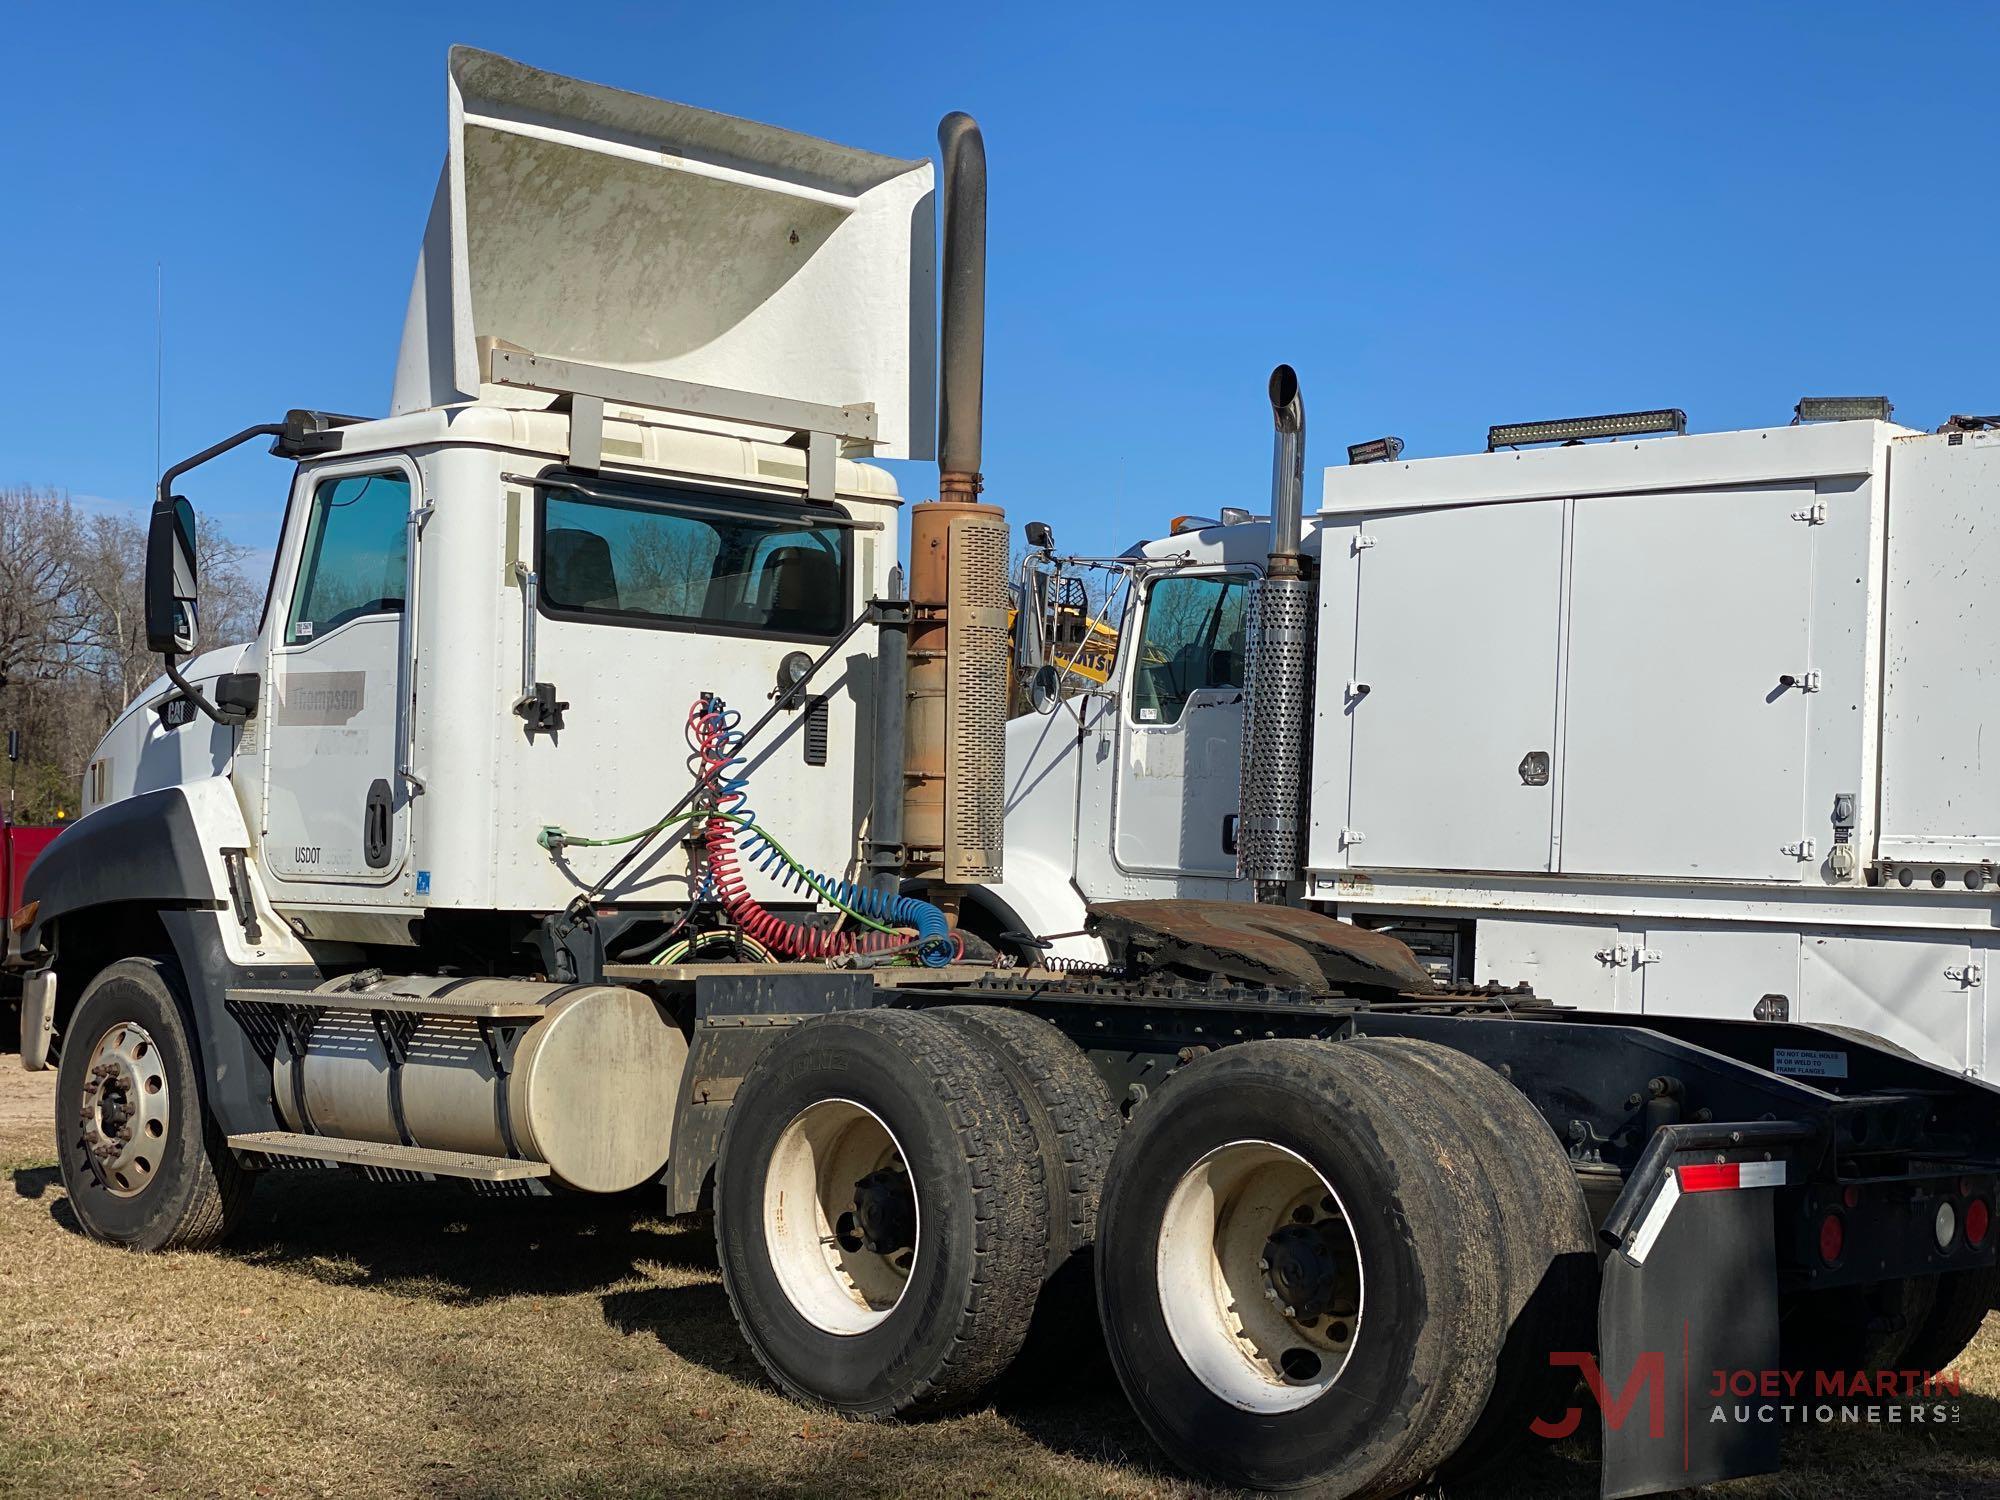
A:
<point x="194" y="695"/>
<point x="262" y="429"/>
<point x="230" y="717"/>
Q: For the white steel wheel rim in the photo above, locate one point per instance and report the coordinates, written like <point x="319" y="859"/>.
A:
<point x="1248" y="1226"/>
<point x="125" y="1109"/>
<point x="834" y="1167"/>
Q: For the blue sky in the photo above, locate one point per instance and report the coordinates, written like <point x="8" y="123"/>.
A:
<point x="1444" y="216"/>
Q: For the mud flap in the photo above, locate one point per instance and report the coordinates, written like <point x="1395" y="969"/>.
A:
<point x="1701" y="1298"/>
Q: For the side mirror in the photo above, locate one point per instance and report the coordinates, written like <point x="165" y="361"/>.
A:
<point x="1045" y="689"/>
<point x="171" y="578"/>
<point x="1030" y="600"/>
<point x="1039" y="536"/>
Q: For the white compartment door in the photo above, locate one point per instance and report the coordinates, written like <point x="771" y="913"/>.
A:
<point x="1684" y="749"/>
<point x="1941" y="669"/>
<point x="1926" y="994"/>
<point x="1715" y="971"/>
<point x="1456" y="632"/>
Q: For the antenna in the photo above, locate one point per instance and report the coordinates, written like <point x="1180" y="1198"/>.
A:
<point x="159" y="361"/>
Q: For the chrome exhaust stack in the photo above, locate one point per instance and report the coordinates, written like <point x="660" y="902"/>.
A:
<point x="1288" y="472"/>
<point x="1277" y="709"/>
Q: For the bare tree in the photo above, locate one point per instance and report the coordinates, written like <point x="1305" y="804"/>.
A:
<point x="44" y="618"/>
<point x="73" y="635"/>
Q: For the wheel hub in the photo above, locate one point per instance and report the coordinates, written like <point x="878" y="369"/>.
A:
<point x="884" y="1220"/>
<point x="841" y="1216"/>
<point x="125" y="1109"/>
<point x="1306" y="1268"/>
<point x="1260" y="1276"/>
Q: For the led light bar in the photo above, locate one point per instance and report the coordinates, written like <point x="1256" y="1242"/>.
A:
<point x="1576" y="429"/>
<point x="1842" y="409"/>
<point x="1380" y="451"/>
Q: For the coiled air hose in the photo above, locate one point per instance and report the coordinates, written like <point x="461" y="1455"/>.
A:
<point x="714" y="737"/>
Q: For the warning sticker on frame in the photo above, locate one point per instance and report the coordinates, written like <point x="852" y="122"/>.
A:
<point x="1804" y="1062"/>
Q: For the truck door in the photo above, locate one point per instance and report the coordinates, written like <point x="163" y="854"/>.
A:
<point x="336" y="715"/>
<point x="1181" y="740"/>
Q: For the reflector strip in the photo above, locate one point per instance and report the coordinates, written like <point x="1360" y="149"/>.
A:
<point x="1711" y="1177"/>
<point x="1701" y="1177"/>
<point x="1656" y="1218"/>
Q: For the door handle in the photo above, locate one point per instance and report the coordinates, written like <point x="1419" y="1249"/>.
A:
<point x="1229" y="826"/>
<point x="377" y="821"/>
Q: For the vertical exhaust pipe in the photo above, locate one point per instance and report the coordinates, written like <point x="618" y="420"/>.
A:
<point x="1277" y="717"/>
<point x="1288" y="472"/>
<point x="955" y="748"/>
<point x="962" y="316"/>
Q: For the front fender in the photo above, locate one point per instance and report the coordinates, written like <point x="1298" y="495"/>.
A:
<point x="1038" y="897"/>
<point x="163" y="850"/>
<point x="144" y="848"/>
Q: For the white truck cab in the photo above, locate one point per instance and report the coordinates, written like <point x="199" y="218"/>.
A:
<point x="431" y="573"/>
<point x="621" y="469"/>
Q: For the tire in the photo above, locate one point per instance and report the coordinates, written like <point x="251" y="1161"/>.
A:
<point x="1846" y="1329"/>
<point x="129" y="1067"/>
<point x="1395" y="1299"/>
<point x="898" y="1291"/>
<point x="1957" y="1310"/>
<point x="1076" y="1124"/>
<point x="1547" y="1250"/>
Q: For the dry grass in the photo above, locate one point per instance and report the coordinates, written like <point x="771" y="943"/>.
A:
<point x="402" y="1341"/>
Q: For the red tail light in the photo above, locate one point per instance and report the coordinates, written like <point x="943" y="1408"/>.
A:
<point x="1832" y="1239"/>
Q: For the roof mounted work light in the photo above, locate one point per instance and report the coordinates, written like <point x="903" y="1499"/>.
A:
<point x="1380" y="450"/>
<point x="1577" y="429"/>
<point x="1842" y="409"/>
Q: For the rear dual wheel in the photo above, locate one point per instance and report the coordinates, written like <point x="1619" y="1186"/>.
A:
<point x="881" y="1213"/>
<point x="1309" y="1264"/>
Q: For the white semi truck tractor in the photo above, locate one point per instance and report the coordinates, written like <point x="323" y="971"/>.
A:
<point x="596" y="810"/>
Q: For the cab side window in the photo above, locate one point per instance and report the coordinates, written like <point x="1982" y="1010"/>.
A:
<point x="1192" y="639"/>
<point x="356" y="554"/>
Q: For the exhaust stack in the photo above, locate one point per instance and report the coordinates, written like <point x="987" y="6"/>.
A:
<point x="1277" y="717"/>
<point x="955" y="758"/>
<point x="1288" y="472"/>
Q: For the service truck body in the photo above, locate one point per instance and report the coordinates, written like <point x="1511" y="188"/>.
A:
<point x="1680" y="725"/>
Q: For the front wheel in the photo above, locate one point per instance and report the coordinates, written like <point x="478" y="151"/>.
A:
<point x="144" y="1165"/>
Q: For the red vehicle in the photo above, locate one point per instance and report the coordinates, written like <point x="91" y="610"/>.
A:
<point x="20" y="845"/>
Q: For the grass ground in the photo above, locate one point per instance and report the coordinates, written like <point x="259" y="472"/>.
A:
<point x="406" y="1341"/>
